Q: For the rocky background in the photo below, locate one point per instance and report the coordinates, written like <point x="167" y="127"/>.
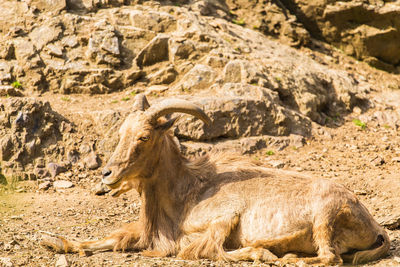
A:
<point x="250" y="84"/>
<point x="274" y="76"/>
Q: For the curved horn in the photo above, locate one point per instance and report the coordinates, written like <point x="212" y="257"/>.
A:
<point x="176" y="105"/>
<point x="141" y="102"/>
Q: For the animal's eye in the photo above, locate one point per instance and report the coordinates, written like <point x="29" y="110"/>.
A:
<point x="144" y="138"/>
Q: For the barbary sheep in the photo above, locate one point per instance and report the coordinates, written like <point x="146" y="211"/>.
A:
<point x="223" y="207"/>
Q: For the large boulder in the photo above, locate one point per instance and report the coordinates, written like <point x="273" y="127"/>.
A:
<point x="29" y="129"/>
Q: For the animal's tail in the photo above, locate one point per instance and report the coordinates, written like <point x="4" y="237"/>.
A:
<point x="376" y="251"/>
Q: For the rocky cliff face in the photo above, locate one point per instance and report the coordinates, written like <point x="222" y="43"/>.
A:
<point x="367" y="30"/>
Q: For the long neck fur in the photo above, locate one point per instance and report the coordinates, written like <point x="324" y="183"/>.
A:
<point x="174" y="183"/>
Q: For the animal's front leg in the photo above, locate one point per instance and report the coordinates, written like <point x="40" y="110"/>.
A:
<point x="122" y="239"/>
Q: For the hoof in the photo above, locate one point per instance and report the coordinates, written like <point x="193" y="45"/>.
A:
<point x="54" y="242"/>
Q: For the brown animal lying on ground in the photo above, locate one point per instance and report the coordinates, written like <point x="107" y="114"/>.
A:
<point x="222" y="207"/>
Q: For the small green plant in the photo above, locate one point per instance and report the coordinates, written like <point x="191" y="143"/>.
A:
<point x="255" y="27"/>
<point x="16" y="84"/>
<point x="134" y="92"/>
<point x="126" y="98"/>
<point x="386" y="126"/>
<point x="256" y="158"/>
<point x="65" y="98"/>
<point x="278" y="79"/>
<point x="360" y="124"/>
<point x="240" y="22"/>
<point x="114" y="101"/>
<point x="270" y="153"/>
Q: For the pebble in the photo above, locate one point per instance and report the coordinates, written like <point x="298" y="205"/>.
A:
<point x="45" y="185"/>
<point x="277" y="164"/>
<point x="396" y="159"/>
<point x="61" y="184"/>
<point x="92" y="161"/>
<point x="55" y="169"/>
<point x="6" y="262"/>
<point x="62" y="261"/>
<point x="377" y="161"/>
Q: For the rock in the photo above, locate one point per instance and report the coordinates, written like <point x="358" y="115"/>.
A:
<point x="101" y="189"/>
<point x="132" y="76"/>
<point x="53" y="6"/>
<point x="6" y="262"/>
<point x="29" y="130"/>
<point x="6" y="90"/>
<point x="377" y="161"/>
<point x="55" y="50"/>
<point x="152" y="21"/>
<point x="45" y="34"/>
<point x="181" y="50"/>
<point x="234" y="117"/>
<point x="155" y="51"/>
<point x="92" y="161"/>
<point x="41" y="172"/>
<point x="62" y="184"/>
<point x="24" y="49"/>
<point x="55" y="169"/>
<point x="62" y="261"/>
<point x="396" y="159"/>
<point x="163" y="76"/>
<point x="45" y="185"/>
<point x="73" y="156"/>
<point x="198" y="78"/>
<point x="103" y="46"/>
<point x="277" y="164"/>
<point x="360" y="192"/>
<point x="70" y="41"/>
<point x="366" y="30"/>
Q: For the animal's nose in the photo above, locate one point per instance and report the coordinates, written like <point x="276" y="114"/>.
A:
<point x="106" y="172"/>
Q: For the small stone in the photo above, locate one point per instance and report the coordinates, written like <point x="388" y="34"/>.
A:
<point x="92" y="161"/>
<point x="55" y="169"/>
<point x="360" y="192"/>
<point x="10" y="245"/>
<point x="62" y="184"/>
<point x="6" y="262"/>
<point x="73" y="156"/>
<point x="357" y="110"/>
<point x="62" y="261"/>
<point x="377" y="161"/>
<point x="85" y="149"/>
<point x="45" y="185"/>
<point x="55" y="50"/>
<point x="396" y="159"/>
<point x="277" y="164"/>
<point x="70" y="41"/>
<point x="101" y="189"/>
<point x="41" y="172"/>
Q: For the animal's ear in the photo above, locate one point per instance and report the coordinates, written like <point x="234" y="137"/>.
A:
<point x="168" y="124"/>
<point x="141" y="103"/>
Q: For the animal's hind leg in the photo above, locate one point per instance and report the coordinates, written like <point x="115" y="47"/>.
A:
<point x="122" y="239"/>
<point x="327" y="253"/>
